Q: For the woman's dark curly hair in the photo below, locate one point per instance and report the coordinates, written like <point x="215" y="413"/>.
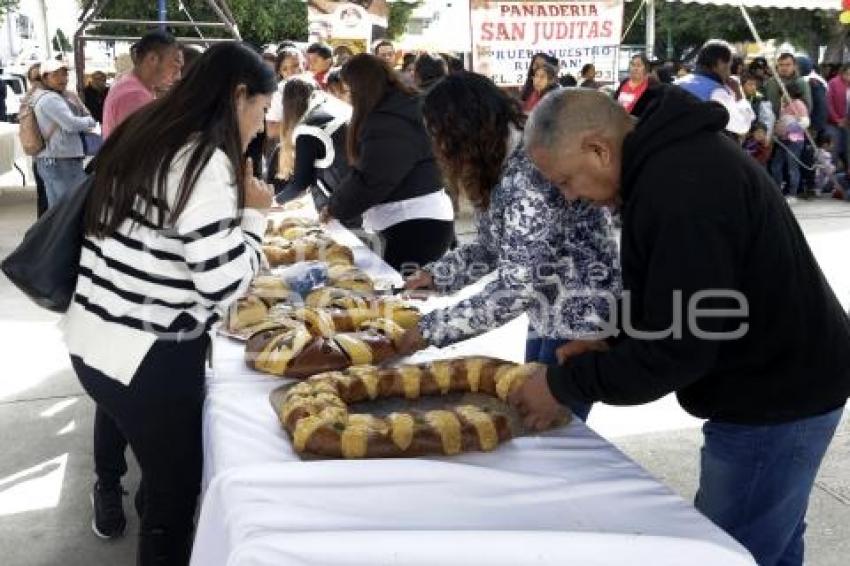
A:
<point x="469" y="118"/>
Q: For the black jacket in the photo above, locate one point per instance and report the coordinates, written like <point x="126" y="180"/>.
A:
<point x="94" y="100"/>
<point x="818" y="114"/>
<point x="319" y="157"/>
<point x="699" y="214"/>
<point x="396" y="162"/>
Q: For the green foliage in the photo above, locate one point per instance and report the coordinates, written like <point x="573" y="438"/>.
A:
<point x="270" y="21"/>
<point x="260" y="21"/>
<point x="398" y="18"/>
<point x="690" y="25"/>
<point x="61" y="43"/>
<point x="7" y="6"/>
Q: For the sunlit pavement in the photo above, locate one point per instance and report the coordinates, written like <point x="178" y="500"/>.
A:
<point x="46" y="424"/>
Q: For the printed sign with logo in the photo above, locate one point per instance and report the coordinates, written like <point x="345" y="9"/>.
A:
<point x="507" y="34"/>
<point x="335" y="22"/>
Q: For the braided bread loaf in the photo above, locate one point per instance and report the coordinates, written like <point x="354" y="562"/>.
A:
<point x="289" y="350"/>
<point x="292" y="228"/>
<point x="315" y="412"/>
<point x="343" y="276"/>
<point x="246" y="312"/>
<point x="260" y="309"/>
<point x="312" y="247"/>
<point x="328" y="321"/>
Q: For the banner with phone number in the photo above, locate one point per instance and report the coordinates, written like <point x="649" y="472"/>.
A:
<point x="507" y="34"/>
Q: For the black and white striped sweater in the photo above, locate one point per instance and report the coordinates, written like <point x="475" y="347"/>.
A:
<point x="135" y="284"/>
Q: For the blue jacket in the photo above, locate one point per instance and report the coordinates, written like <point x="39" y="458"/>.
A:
<point x="699" y="85"/>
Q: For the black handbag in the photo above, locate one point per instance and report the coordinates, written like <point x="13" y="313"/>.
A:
<point x="46" y="263"/>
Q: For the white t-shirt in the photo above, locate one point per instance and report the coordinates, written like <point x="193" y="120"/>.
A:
<point x="741" y="115"/>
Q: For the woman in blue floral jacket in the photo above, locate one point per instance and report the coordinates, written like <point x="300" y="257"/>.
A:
<point x="553" y="259"/>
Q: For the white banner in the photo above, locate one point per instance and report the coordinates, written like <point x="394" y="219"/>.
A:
<point x="507" y="34"/>
<point x="352" y="24"/>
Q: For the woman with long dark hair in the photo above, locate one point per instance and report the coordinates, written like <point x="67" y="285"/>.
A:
<point x="529" y="97"/>
<point x="545" y="80"/>
<point x="312" y="151"/>
<point x="394" y="181"/>
<point x="173" y="227"/>
<point x="542" y="248"/>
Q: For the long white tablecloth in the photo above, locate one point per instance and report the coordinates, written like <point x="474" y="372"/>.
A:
<point x="563" y="497"/>
<point x="535" y="497"/>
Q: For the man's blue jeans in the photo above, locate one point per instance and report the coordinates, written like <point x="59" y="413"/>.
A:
<point x="542" y="350"/>
<point x="60" y="176"/>
<point x="755" y="482"/>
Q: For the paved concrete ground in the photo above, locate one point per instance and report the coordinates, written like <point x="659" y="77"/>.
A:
<point x="46" y="420"/>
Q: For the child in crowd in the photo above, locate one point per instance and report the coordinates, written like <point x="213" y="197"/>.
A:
<point x="827" y="178"/>
<point x="756" y="143"/>
<point x="751" y="87"/>
<point x="791" y="131"/>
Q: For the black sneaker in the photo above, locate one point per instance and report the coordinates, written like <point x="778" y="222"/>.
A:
<point x="107" y="502"/>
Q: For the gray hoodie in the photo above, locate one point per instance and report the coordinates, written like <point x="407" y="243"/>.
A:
<point x="61" y="122"/>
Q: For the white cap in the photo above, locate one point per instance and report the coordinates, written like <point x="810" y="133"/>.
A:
<point x="52" y="65"/>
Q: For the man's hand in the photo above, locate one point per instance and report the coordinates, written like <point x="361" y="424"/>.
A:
<point x="419" y="280"/>
<point x="535" y="403"/>
<point x="325" y="215"/>
<point x="578" y="347"/>
<point x="411" y="341"/>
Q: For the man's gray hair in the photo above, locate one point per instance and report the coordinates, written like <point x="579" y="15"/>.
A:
<point x="572" y="111"/>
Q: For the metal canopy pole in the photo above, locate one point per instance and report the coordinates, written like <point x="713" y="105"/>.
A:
<point x="650" y="29"/>
<point x="93" y="8"/>
<point x="91" y="11"/>
<point x="162" y="13"/>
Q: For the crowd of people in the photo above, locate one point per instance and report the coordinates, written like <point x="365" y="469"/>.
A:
<point x="793" y="120"/>
<point x="198" y="147"/>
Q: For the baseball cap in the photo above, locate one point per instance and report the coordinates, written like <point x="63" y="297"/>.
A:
<point x="52" y="65"/>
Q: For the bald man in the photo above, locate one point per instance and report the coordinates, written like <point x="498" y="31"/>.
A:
<point x="724" y="304"/>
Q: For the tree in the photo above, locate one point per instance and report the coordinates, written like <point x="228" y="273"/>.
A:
<point x="260" y="21"/>
<point x="7" y="6"/>
<point x="399" y="16"/>
<point x="688" y="26"/>
<point x="60" y="42"/>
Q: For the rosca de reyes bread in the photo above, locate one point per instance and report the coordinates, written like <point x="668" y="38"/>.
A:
<point x="316" y="413"/>
<point x="327" y="321"/>
<point x="312" y="247"/>
<point x="288" y="350"/>
<point x="344" y="276"/>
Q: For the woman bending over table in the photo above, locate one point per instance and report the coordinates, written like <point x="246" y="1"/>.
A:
<point x="395" y="182"/>
<point x="311" y="155"/>
<point x="554" y="260"/>
<point x="173" y="228"/>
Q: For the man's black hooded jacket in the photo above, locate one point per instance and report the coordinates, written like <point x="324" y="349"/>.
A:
<point x="699" y="215"/>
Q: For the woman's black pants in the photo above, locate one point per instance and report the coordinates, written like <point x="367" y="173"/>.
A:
<point x="411" y="244"/>
<point x="160" y="415"/>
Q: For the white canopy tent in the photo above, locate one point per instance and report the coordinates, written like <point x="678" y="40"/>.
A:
<point x="793" y="4"/>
